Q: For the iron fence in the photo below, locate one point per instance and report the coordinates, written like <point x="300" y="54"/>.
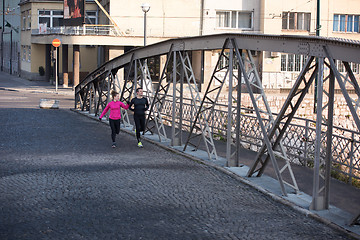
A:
<point x="299" y="140"/>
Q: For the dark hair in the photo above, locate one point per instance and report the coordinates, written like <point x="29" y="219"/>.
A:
<point x="137" y="90"/>
<point x="114" y="93"/>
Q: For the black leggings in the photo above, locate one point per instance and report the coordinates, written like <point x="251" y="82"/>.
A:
<point x="115" y="128"/>
<point x="139" y="124"/>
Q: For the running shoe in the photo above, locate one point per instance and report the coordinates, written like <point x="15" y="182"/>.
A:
<point x="140" y="145"/>
<point x="113" y="145"/>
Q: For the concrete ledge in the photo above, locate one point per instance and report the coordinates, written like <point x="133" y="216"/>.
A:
<point x="49" y="104"/>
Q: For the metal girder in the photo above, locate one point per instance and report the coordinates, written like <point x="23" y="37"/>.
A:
<point x="177" y="100"/>
<point x="196" y="101"/>
<point x="92" y="94"/>
<point x="319" y="195"/>
<point x="233" y="144"/>
<point x="117" y="87"/>
<point x="322" y="165"/>
<point x="129" y="81"/>
<point x="229" y="120"/>
<point x="104" y="91"/>
<point x="252" y="80"/>
<point x="286" y="114"/>
<point x="160" y="95"/>
<point x="345" y="50"/>
<point x="92" y="99"/>
<point x="355" y="220"/>
<point x="149" y="93"/>
<point x="262" y="126"/>
<point x="208" y="103"/>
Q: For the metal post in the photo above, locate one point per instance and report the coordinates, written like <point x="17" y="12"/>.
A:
<point x="11" y="49"/>
<point x="351" y="168"/>
<point x="56" y="69"/>
<point x="318" y="26"/>
<point x="2" y="37"/>
<point x="306" y="151"/>
<point x="317" y="203"/>
<point x="238" y="118"/>
<point x="229" y="118"/>
<point x="3" y="23"/>
<point x="173" y="124"/>
<point x="317" y="60"/>
<point x="144" y="28"/>
<point x="2" y="49"/>
<point x="145" y="8"/>
<point x="181" y="102"/>
<point x="329" y="135"/>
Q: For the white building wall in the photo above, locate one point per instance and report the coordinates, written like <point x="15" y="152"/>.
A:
<point x="166" y="18"/>
<point x="211" y="6"/>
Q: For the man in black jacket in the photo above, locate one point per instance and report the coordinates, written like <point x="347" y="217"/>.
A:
<point x="139" y="105"/>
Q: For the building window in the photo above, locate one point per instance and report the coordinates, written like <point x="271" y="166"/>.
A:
<point x="29" y="54"/>
<point x="224" y="61"/>
<point x="23" y="48"/>
<point x="341" y="67"/>
<point x="90" y="17"/>
<point x="292" y="62"/>
<point x="23" y="22"/>
<point x="355" y="67"/>
<point x="28" y="26"/>
<point x="234" y="19"/>
<point x="290" y="66"/>
<point x="52" y="18"/>
<point x="296" y="21"/>
<point x="346" y="23"/>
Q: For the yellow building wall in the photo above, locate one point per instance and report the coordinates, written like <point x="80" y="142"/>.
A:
<point x="37" y="57"/>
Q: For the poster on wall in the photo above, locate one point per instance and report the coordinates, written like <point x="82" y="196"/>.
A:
<point x="74" y="12"/>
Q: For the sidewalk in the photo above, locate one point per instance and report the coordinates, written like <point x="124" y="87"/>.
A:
<point x="12" y="82"/>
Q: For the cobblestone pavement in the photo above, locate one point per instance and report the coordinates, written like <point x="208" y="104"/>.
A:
<point x="60" y="179"/>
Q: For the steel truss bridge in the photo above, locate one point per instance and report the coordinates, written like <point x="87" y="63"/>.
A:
<point x="203" y="118"/>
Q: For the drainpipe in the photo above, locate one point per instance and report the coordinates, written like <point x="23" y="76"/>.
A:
<point x="2" y="36"/>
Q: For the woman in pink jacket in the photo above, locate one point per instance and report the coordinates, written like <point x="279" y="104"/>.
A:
<point x="115" y="115"/>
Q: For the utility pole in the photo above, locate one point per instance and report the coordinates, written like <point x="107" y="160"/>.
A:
<point x="2" y="35"/>
<point x="3" y="15"/>
<point x="318" y="26"/>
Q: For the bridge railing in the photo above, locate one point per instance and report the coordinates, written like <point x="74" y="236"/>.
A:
<point x="299" y="140"/>
<point x="86" y="29"/>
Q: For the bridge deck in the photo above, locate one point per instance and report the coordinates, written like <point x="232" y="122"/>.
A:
<point x="59" y="177"/>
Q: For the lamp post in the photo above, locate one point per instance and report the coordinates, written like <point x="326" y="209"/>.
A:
<point x="145" y="8"/>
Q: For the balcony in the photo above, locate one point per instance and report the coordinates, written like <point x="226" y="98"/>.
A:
<point x="86" y="29"/>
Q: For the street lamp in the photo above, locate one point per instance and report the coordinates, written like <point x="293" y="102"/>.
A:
<point x="145" y="7"/>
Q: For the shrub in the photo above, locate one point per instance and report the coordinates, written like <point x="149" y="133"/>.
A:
<point x="41" y="71"/>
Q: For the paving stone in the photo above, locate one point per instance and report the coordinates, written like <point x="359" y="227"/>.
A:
<point x="60" y="179"/>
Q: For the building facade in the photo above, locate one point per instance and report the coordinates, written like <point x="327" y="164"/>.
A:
<point x="110" y="29"/>
<point x="10" y="36"/>
<point x="114" y="27"/>
<point x="338" y="19"/>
